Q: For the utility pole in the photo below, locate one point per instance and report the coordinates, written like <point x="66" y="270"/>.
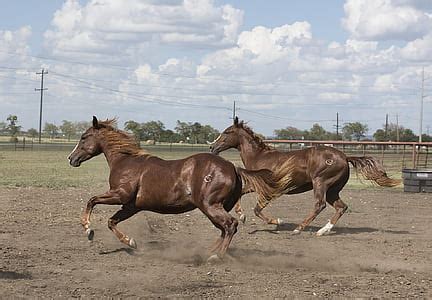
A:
<point x="234" y="111"/>
<point x="421" y="107"/>
<point x="42" y="73"/>
<point x="386" y="126"/>
<point x="397" y="128"/>
<point x="337" y="126"/>
<point x="397" y="132"/>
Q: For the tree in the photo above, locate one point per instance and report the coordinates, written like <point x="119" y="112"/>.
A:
<point x="82" y="126"/>
<point x="170" y="136"/>
<point x="68" y="129"/>
<point x="12" y="127"/>
<point x="289" y="133"/>
<point x="196" y="132"/>
<point x="354" y="130"/>
<point x="184" y="130"/>
<point x="317" y="132"/>
<point x="135" y="128"/>
<point x="208" y="134"/>
<point x="32" y="133"/>
<point x="405" y="134"/>
<point x="51" y="130"/>
<point x="152" y="130"/>
<point x="2" y="127"/>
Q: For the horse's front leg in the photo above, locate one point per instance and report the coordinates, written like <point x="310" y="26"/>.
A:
<point x="111" y="198"/>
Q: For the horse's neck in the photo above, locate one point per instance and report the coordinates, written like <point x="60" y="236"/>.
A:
<point x="112" y="157"/>
<point x="250" y="152"/>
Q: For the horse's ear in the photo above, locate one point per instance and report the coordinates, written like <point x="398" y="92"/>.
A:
<point x="95" y="122"/>
<point x="236" y="121"/>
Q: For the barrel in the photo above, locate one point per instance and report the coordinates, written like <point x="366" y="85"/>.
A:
<point x="417" y="180"/>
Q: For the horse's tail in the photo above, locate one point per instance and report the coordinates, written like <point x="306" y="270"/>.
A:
<point x="260" y="181"/>
<point x="371" y="169"/>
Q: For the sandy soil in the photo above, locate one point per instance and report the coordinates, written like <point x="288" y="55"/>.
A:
<point x="381" y="248"/>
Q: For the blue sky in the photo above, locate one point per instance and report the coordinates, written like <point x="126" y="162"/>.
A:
<point x="291" y="63"/>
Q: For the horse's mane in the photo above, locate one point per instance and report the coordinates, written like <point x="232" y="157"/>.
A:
<point x="255" y="138"/>
<point x="119" y="141"/>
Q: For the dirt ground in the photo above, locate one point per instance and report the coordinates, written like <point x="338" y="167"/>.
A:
<point x="381" y="248"/>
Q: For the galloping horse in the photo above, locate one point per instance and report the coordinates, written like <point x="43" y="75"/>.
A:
<point x="321" y="168"/>
<point x="139" y="181"/>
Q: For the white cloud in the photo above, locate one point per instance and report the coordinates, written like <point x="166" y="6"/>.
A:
<point x="419" y="49"/>
<point x="386" y="19"/>
<point x="101" y="25"/>
<point x="137" y="61"/>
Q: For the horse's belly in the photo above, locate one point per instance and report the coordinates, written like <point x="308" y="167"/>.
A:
<point x="171" y="209"/>
<point x="301" y="189"/>
<point x="165" y="203"/>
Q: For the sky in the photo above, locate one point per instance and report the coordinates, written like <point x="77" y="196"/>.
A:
<point x="284" y="63"/>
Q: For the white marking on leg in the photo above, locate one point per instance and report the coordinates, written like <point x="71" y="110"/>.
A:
<point x="325" y="230"/>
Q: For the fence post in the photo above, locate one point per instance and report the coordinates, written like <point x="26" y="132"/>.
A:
<point x="24" y="144"/>
<point x="414" y="156"/>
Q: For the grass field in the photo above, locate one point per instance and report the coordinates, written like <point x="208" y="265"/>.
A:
<point x="51" y="169"/>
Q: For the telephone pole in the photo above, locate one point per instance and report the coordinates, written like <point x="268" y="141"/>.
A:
<point x="337" y="126"/>
<point x="41" y="89"/>
<point x="421" y="107"/>
<point x="397" y="128"/>
<point x="386" y="126"/>
<point x="234" y="111"/>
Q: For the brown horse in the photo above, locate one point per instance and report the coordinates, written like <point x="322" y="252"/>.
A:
<point x="323" y="169"/>
<point x="139" y="181"/>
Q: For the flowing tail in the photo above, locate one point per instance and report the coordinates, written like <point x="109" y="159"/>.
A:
<point x="371" y="169"/>
<point x="260" y="181"/>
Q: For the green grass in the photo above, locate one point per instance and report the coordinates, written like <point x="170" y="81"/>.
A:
<point x="51" y="169"/>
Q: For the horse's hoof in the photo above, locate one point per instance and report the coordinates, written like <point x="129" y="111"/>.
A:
<point x="322" y="232"/>
<point x="279" y="221"/>
<point x="90" y="234"/>
<point x="214" y="259"/>
<point x="296" y="232"/>
<point x="325" y="230"/>
<point x="243" y="218"/>
<point x="132" y="243"/>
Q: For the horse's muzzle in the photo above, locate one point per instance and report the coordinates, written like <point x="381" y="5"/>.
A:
<point x="214" y="150"/>
<point x="74" y="162"/>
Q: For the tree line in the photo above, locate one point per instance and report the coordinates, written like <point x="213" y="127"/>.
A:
<point x="351" y="131"/>
<point x="155" y="131"/>
<point x="197" y="133"/>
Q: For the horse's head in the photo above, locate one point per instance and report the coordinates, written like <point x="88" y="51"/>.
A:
<point x="229" y="138"/>
<point x="88" y="146"/>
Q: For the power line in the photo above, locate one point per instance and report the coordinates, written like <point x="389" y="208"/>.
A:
<point x="245" y="82"/>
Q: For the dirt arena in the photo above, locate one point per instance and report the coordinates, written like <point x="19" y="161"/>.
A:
<point x="381" y="248"/>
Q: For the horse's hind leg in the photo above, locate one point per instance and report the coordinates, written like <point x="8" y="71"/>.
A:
<point x="262" y="203"/>
<point x="340" y="208"/>
<point x="124" y="213"/>
<point x="320" y="190"/>
<point x="225" y="222"/>
<point x="334" y="200"/>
